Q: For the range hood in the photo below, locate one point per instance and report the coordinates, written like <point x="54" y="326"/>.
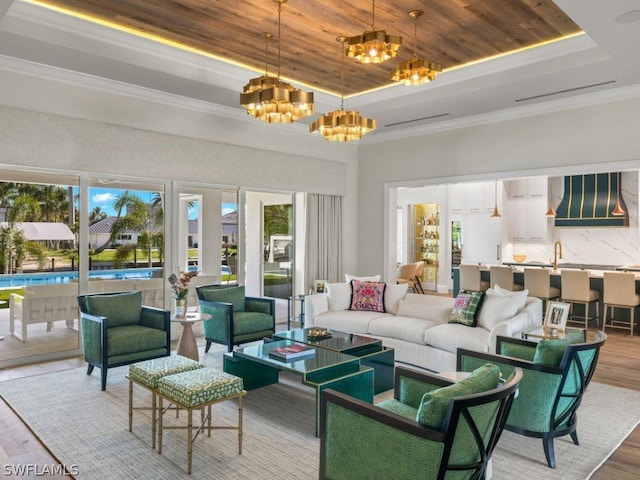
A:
<point x="589" y="201"/>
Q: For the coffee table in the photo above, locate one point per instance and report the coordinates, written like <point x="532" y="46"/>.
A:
<point x="325" y="369"/>
<point x="369" y="350"/>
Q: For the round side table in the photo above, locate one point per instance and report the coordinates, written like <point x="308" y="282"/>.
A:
<point x="187" y="346"/>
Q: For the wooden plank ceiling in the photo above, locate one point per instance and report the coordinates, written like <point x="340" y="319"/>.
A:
<point x="452" y="32"/>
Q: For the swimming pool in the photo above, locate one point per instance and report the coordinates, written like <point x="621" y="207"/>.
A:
<point x="22" y="279"/>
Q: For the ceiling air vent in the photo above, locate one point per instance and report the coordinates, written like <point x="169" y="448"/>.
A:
<point x="567" y="90"/>
<point x="589" y="201"/>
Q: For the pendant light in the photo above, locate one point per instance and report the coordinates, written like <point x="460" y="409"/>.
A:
<point x="272" y="100"/>
<point x="342" y="125"/>
<point x="373" y="46"/>
<point x="417" y="70"/>
<point x="618" y="211"/>
<point x="551" y="212"/>
<point x="496" y="212"/>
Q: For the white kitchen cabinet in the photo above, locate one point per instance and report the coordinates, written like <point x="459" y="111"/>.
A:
<point x="534" y="187"/>
<point x="457" y="198"/>
<point x="527" y="220"/>
<point x="482" y="239"/>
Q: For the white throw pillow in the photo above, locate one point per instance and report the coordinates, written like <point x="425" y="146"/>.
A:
<point x="498" y="307"/>
<point x="520" y="295"/>
<point x="374" y="278"/>
<point x="393" y="294"/>
<point x="339" y="295"/>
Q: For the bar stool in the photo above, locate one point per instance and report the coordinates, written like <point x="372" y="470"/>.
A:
<point x="419" y="273"/>
<point x="406" y="274"/>
<point x="470" y="279"/>
<point x="538" y="282"/>
<point x="620" y="292"/>
<point x="503" y="276"/>
<point x="575" y="288"/>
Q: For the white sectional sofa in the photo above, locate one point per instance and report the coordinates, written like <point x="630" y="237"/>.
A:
<point x="417" y="327"/>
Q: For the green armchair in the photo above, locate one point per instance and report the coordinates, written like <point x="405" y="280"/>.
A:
<point x="556" y="374"/>
<point x="117" y="330"/>
<point x="235" y="318"/>
<point x="432" y="429"/>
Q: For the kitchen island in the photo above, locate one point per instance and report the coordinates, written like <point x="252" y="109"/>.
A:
<point x="596" y="273"/>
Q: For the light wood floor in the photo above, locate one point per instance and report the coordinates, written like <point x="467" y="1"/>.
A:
<point x="619" y="365"/>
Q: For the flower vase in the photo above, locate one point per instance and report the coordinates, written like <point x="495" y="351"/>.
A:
<point x="181" y="307"/>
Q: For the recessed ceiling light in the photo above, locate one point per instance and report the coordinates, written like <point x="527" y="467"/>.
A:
<point x="629" y="17"/>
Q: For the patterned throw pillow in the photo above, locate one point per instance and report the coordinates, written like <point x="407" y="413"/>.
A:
<point x="367" y="296"/>
<point x="466" y="308"/>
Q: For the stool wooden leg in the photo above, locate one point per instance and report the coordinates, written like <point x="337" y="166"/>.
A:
<point x="240" y="424"/>
<point x="632" y="322"/>
<point x="130" y="403"/>
<point x="189" y="439"/>
<point x="160" y="415"/>
<point x="209" y="420"/>
<point x="154" y="419"/>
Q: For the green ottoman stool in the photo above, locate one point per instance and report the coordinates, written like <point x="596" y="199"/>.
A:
<point x="198" y="389"/>
<point x="147" y="373"/>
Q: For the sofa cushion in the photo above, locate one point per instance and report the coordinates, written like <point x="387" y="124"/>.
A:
<point x="521" y="295"/>
<point x="497" y="308"/>
<point x="349" y="321"/>
<point x="373" y="278"/>
<point x="393" y="295"/>
<point x="367" y="296"/>
<point x="435" y="313"/>
<point x="120" y="309"/>
<point x="466" y="308"/>
<point x="401" y="328"/>
<point x="550" y="352"/>
<point x="435" y="404"/>
<point x="134" y="339"/>
<point x="232" y="295"/>
<point x="339" y="296"/>
<point x="450" y="336"/>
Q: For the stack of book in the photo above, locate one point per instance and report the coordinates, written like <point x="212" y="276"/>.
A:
<point x="292" y="352"/>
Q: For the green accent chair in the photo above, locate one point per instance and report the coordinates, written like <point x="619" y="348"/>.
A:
<point x="118" y="330"/>
<point x="235" y="318"/>
<point x="556" y="374"/>
<point x="432" y="429"/>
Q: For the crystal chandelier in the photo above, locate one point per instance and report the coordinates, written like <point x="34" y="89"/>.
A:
<point x="417" y="70"/>
<point x="373" y="46"/>
<point x="341" y="125"/>
<point x="271" y="99"/>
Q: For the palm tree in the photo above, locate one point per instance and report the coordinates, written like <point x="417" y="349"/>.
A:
<point x="96" y="215"/>
<point x="140" y="218"/>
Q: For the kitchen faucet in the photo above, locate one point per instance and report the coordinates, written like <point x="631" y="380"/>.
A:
<point x="557" y="253"/>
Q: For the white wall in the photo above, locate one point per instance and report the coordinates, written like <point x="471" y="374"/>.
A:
<point x="544" y="144"/>
<point x="69" y="128"/>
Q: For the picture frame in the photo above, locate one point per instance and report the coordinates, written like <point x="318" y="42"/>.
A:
<point x="555" y="318"/>
<point x="319" y="286"/>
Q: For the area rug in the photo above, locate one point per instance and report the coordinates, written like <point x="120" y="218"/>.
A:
<point x="87" y="430"/>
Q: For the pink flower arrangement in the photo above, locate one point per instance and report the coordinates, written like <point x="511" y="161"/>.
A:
<point x="180" y="285"/>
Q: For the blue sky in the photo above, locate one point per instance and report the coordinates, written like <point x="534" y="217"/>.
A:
<point x="106" y="197"/>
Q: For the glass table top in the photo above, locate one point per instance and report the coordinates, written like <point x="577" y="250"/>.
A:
<point x="339" y="341"/>
<point x="322" y="358"/>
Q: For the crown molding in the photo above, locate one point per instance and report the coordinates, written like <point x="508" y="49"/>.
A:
<point x="569" y="103"/>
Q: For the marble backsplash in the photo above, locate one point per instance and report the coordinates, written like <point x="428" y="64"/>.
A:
<point x="602" y="245"/>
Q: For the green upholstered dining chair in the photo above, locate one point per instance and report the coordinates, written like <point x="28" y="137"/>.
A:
<point x="118" y="330"/>
<point x="235" y="318"/>
<point x="556" y="374"/>
<point x="433" y="428"/>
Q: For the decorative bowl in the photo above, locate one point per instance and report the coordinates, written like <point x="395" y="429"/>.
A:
<point x="520" y="257"/>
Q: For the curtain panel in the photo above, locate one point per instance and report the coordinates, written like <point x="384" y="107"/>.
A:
<point x="323" y="238"/>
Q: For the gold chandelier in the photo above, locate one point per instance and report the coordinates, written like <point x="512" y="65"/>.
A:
<point x="341" y="125"/>
<point x="271" y="99"/>
<point x="373" y="46"/>
<point x="417" y="70"/>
